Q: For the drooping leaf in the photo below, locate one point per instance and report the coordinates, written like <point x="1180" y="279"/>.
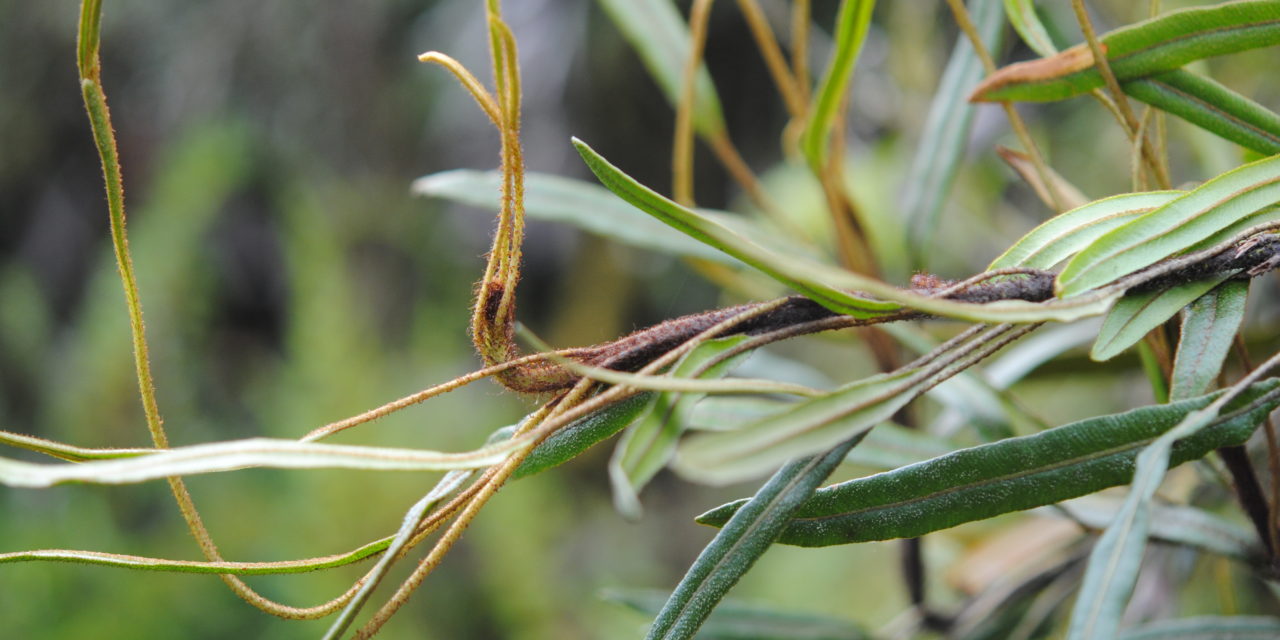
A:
<point x="1212" y="107"/>
<point x="1136" y="314"/>
<point x="1208" y="326"/>
<point x="742" y="540"/>
<point x="1061" y="236"/>
<point x="661" y="38"/>
<point x="825" y="284"/>
<point x="738" y="620"/>
<point x="1010" y="475"/>
<point x="946" y="128"/>
<point x="1174" y="227"/>
<point x="1163" y="43"/>
<point x="645" y="448"/>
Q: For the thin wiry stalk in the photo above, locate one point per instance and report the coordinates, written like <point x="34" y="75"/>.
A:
<point x="773" y="58"/>
<point x="95" y="100"/>
<point x="966" y="25"/>
<point x="682" y="146"/>
<point x="561" y="412"/>
<point x="800" y="11"/>
<point x="1158" y="169"/>
<point x="719" y="141"/>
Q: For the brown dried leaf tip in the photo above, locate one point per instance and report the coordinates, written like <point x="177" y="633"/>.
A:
<point x="1066" y="62"/>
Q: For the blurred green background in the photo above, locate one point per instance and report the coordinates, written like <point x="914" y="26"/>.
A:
<point x="289" y="279"/>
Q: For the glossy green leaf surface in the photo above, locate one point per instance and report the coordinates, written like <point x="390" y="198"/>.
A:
<point x="1137" y="314"/>
<point x="1061" y="236"/>
<point x="1010" y="475"/>
<point x="1208" y="327"/>
<point x="1163" y="43"/>
<point x="825" y="284"/>
<point x="1212" y="107"/>
<point x="742" y="540"/>
<point x="1174" y="227"/>
<point x="661" y="38"/>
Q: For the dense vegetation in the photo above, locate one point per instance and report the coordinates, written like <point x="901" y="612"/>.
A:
<point x="1016" y="290"/>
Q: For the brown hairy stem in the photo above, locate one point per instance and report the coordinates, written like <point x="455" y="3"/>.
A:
<point x="1250" y="257"/>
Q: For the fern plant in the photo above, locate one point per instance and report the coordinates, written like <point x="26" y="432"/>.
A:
<point x="1167" y="269"/>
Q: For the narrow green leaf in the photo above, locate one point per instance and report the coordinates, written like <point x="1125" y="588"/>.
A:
<point x="1022" y="15"/>
<point x="744" y="538"/>
<point x="1113" y="563"/>
<point x="1010" y="475"/>
<point x="1061" y="236"/>
<point x="645" y="448"/>
<point x="809" y="426"/>
<point x="1174" y="524"/>
<point x="1174" y="227"/>
<point x="1137" y="314"/>
<point x="587" y="206"/>
<point x="143" y="563"/>
<point x="661" y="38"/>
<point x="1163" y="43"/>
<point x="851" y="30"/>
<point x="825" y="284"/>
<point x="1207" y="628"/>
<point x="1208" y="326"/>
<point x="66" y="451"/>
<point x="738" y="620"/>
<point x="244" y="454"/>
<point x="567" y="443"/>
<point x="946" y="129"/>
<point x="1212" y="107"/>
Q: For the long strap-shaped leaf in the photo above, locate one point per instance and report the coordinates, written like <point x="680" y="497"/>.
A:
<point x="1011" y="475"/>
<point x="1208" y="327"/>
<point x="829" y="286"/>
<point x="1061" y="236"/>
<point x="1212" y="107"/>
<point x="1113" y="564"/>
<point x="1174" y="227"/>
<point x="741" y="542"/>
<point x="1137" y="314"/>
<point x="1160" y="44"/>
<point x="851" y="30"/>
